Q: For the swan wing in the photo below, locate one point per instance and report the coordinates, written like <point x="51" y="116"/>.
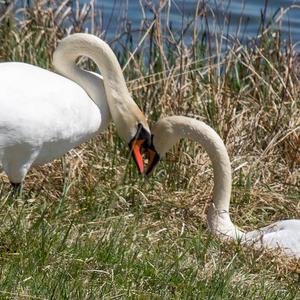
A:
<point x="44" y="110"/>
<point x="36" y="103"/>
<point x="282" y="234"/>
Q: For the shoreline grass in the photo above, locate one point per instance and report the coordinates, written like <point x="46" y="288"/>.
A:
<point x="88" y="227"/>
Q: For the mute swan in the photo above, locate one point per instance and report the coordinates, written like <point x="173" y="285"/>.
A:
<point x="166" y="132"/>
<point x="43" y="114"/>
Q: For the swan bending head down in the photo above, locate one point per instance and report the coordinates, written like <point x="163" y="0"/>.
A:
<point x="284" y="235"/>
<point x="43" y="114"/>
<point x="130" y="122"/>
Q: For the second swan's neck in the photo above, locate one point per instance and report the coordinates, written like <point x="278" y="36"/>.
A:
<point x="218" y="214"/>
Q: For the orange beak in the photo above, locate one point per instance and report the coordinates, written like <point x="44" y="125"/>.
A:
<point x="136" y="151"/>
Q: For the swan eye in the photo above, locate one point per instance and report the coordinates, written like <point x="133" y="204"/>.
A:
<point x="143" y="134"/>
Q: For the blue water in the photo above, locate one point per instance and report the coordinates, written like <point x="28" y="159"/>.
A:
<point x="178" y="13"/>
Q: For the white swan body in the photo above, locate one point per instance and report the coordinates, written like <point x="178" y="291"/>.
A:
<point x="43" y="114"/>
<point x="282" y="234"/>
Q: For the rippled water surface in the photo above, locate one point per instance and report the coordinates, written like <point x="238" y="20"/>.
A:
<point x="178" y="13"/>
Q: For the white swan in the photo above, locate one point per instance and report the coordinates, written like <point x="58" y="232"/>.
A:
<point x="43" y="115"/>
<point x="166" y="132"/>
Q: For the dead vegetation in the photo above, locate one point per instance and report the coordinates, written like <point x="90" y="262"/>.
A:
<point x="250" y="93"/>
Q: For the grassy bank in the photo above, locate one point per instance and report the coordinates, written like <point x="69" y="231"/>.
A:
<point x="88" y="226"/>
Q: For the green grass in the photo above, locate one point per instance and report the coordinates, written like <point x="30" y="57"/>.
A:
<point x="88" y="227"/>
<point x="96" y="236"/>
<point x="82" y="248"/>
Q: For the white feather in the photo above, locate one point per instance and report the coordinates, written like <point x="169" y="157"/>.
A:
<point x="284" y="235"/>
<point x="43" y="114"/>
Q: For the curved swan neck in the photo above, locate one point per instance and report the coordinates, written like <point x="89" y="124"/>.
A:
<point x="81" y="44"/>
<point x="169" y="131"/>
<point x="175" y="128"/>
<point x="123" y="109"/>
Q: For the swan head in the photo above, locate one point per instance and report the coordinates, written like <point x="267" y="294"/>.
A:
<point x="132" y="128"/>
<point x="139" y="142"/>
<point x="164" y="136"/>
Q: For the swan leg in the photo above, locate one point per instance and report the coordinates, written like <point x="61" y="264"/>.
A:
<point x="16" y="164"/>
<point x="16" y="172"/>
<point x="16" y="189"/>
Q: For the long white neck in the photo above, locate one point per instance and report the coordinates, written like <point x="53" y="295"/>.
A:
<point x="118" y="98"/>
<point x="182" y="127"/>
